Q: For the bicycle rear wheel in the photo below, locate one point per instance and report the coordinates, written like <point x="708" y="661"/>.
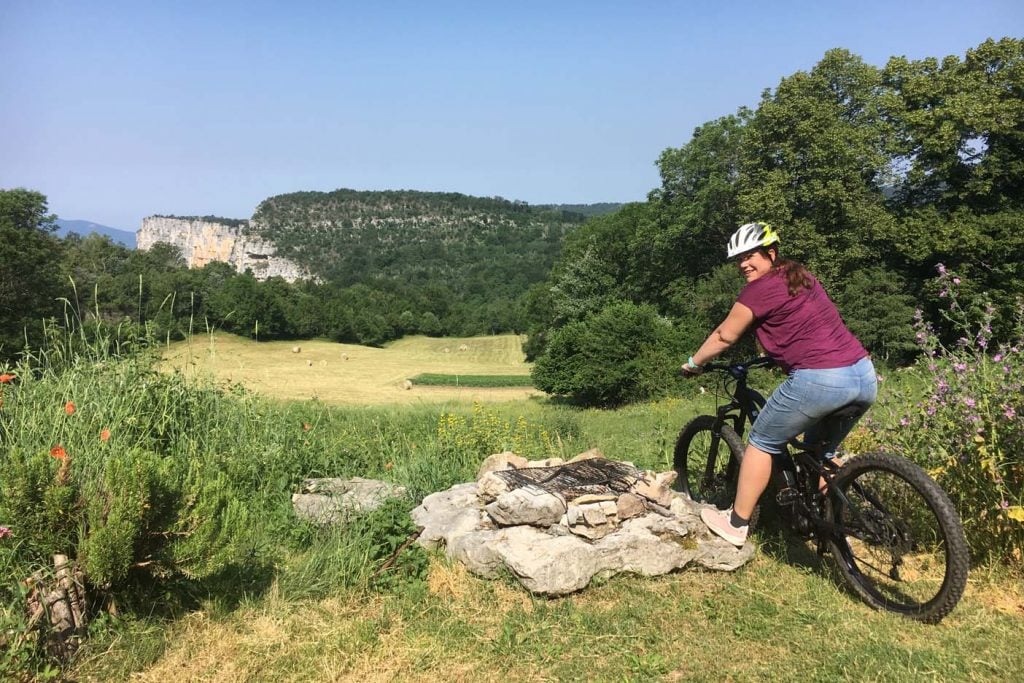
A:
<point x="899" y="544"/>
<point x="706" y="460"/>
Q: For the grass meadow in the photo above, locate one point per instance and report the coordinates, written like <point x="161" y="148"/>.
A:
<point x="284" y="601"/>
<point x="348" y="374"/>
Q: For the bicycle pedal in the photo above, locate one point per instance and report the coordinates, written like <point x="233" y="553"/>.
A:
<point x="787" y="497"/>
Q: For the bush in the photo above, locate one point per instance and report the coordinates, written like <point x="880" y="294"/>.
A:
<point x="624" y="353"/>
<point x="967" y="426"/>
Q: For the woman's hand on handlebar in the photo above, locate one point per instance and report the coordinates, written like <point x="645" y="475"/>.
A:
<point x="688" y="370"/>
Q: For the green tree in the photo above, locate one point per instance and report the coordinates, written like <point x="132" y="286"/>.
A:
<point x="29" y="268"/>
<point x="623" y="353"/>
<point x="817" y="162"/>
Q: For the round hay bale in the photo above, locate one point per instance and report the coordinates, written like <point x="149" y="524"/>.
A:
<point x="463" y="347"/>
<point x="447" y="350"/>
<point x="407" y="384"/>
<point x="296" y="349"/>
<point x="309" y="363"/>
<point x="344" y="356"/>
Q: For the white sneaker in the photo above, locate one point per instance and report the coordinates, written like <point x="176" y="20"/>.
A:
<point x="720" y="523"/>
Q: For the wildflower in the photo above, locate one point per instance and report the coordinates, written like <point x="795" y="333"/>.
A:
<point x="998" y="357"/>
<point x="969" y="402"/>
<point x="59" y="453"/>
<point x="69" y="408"/>
<point x="105" y="435"/>
<point x="306" y="426"/>
<point x="904" y="422"/>
<point x="960" y="367"/>
<point x="1004" y="505"/>
<point x="941" y="268"/>
<point x="7" y="378"/>
<point x="956" y="281"/>
<point x="1010" y="413"/>
<point x="5" y="532"/>
<point x="879" y="378"/>
<point x="943" y="294"/>
<point x="942" y="385"/>
<point x="388" y="465"/>
<point x="930" y="410"/>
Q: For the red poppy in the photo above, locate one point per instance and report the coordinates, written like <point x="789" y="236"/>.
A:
<point x="7" y="378"/>
<point x="105" y="435"/>
<point x="59" y="453"/>
<point x="306" y="426"/>
<point x="69" y="408"/>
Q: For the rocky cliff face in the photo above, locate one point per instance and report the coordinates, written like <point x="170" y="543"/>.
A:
<point x="202" y="241"/>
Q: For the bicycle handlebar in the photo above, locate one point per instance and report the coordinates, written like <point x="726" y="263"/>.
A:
<point x="740" y="369"/>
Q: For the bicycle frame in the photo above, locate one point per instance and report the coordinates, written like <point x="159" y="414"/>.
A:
<point x="798" y="458"/>
<point x="744" y="402"/>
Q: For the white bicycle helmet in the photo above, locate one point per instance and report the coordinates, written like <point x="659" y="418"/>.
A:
<point x="751" y="236"/>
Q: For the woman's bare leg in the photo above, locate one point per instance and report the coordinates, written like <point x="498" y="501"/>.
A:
<point x="755" y="473"/>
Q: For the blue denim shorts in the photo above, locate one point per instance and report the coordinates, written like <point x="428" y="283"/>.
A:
<point x="798" y="404"/>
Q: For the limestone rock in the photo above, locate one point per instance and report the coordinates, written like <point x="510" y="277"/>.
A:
<point x="551" y="565"/>
<point x="490" y="486"/>
<point x="446" y="515"/>
<point x="328" y="501"/>
<point x="629" y="505"/>
<point x="588" y="455"/>
<point x="650" y="488"/>
<point x="527" y="505"/>
<point x="203" y="241"/>
<point x="501" y="461"/>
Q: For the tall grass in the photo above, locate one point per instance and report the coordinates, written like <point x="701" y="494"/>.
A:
<point x="175" y="493"/>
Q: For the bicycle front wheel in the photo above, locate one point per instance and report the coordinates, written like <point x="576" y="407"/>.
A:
<point x="898" y="542"/>
<point x="706" y="460"/>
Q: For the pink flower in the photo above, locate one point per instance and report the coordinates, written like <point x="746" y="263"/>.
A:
<point x="5" y="532"/>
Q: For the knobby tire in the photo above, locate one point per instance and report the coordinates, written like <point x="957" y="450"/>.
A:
<point x="707" y="457"/>
<point x="902" y="547"/>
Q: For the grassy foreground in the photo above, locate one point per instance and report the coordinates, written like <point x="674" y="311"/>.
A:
<point x="779" y="618"/>
<point x="291" y="602"/>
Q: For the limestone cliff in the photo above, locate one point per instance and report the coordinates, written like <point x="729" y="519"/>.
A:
<point x="202" y="241"/>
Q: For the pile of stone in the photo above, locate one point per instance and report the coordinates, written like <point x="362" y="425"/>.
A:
<point x="556" y="541"/>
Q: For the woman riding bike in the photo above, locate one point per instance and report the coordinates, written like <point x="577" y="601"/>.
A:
<point x="800" y="329"/>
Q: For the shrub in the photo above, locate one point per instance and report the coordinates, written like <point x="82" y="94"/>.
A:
<point x="967" y="427"/>
<point x="622" y="354"/>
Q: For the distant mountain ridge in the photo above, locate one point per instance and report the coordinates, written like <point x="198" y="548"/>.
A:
<point x="84" y="228"/>
<point x="480" y="244"/>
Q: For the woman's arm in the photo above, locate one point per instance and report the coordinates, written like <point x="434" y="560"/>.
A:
<point x="726" y="334"/>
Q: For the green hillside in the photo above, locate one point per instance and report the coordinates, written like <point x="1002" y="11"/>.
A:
<point x="480" y="248"/>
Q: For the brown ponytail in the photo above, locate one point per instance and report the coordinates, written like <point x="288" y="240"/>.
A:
<point x="797" y="277"/>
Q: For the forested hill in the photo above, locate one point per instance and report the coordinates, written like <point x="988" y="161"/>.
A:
<point x="481" y="248"/>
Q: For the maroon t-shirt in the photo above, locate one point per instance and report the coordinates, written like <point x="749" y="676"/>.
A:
<point x="802" y="331"/>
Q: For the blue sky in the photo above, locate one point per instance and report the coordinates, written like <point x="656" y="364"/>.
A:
<point x="119" y="110"/>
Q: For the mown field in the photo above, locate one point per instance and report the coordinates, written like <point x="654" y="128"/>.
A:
<point x="355" y="375"/>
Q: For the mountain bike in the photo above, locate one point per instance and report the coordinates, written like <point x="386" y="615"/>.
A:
<point x="892" y="531"/>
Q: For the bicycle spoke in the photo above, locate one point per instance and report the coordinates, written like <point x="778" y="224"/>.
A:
<point x="896" y="549"/>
